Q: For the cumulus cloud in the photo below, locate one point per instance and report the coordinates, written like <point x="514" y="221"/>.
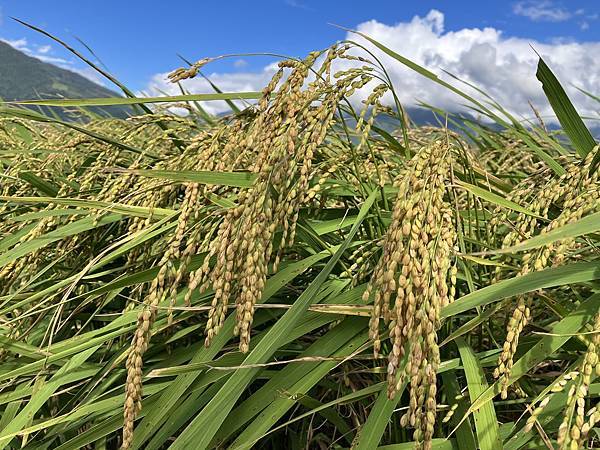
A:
<point x="227" y="82"/>
<point x="18" y="44"/>
<point x="544" y="10"/>
<point x="43" y="49"/>
<point x="502" y="66"/>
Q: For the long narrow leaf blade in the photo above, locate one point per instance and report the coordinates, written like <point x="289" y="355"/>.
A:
<point x="571" y="122"/>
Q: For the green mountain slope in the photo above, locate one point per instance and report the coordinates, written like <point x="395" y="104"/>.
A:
<point x="23" y="77"/>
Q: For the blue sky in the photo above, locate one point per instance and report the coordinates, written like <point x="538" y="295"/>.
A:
<point x="485" y="42"/>
<point x="137" y="39"/>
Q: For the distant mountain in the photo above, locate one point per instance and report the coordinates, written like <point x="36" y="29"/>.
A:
<point x="23" y="77"/>
<point x="425" y="117"/>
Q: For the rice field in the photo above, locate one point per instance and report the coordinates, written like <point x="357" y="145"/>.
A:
<point x="297" y="275"/>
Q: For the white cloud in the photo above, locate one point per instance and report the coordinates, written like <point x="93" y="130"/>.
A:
<point x="227" y="82"/>
<point x="18" y="44"/>
<point x="43" y="49"/>
<point x="240" y="63"/>
<point x="52" y="59"/>
<point x="542" y="10"/>
<point x="502" y="66"/>
<point x="90" y="74"/>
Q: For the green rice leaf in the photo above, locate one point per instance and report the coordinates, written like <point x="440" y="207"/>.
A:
<point x="235" y="179"/>
<point x="42" y="395"/>
<point x="202" y="429"/>
<point x="571" y="122"/>
<point x="559" y="276"/>
<point x="111" y="101"/>
<point x="43" y="186"/>
<point x="486" y="423"/>
<point x="371" y="432"/>
<point x="585" y="225"/>
<point x="495" y="198"/>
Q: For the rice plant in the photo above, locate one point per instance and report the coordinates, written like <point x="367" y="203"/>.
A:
<point x="292" y="275"/>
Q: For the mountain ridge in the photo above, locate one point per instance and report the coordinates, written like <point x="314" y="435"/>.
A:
<point x="24" y="77"/>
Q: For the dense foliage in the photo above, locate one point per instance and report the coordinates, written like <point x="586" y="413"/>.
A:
<point x="294" y="276"/>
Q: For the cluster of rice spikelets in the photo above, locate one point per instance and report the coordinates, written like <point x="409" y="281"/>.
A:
<point x="77" y="169"/>
<point x="576" y="194"/>
<point x="288" y="140"/>
<point x="508" y="157"/>
<point x="363" y="261"/>
<point x="577" y="422"/>
<point x="413" y="280"/>
<point x="290" y="123"/>
<point x="301" y="154"/>
<point x="90" y="166"/>
<point x="85" y="160"/>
